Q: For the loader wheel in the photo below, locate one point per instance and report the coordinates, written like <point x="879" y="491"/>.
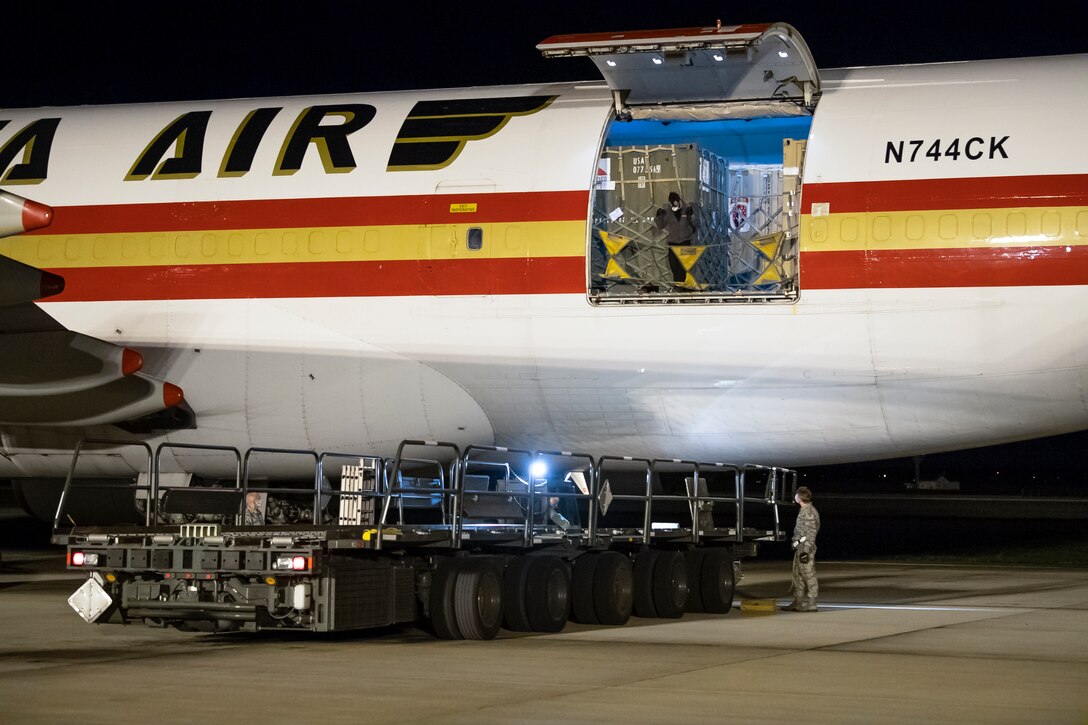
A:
<point x="670" y="585"/>
<point x="514" y="581"/>
<point x="477" y="599"/>
<point x="644" y="583"/>
<point x="613" y="588"/>
<point x="694" y="560"/>
<point x="443" y="614"/>
<point x="547" y="594"/>
<point x="583" y="609"/>
<point x="717" y="581"/>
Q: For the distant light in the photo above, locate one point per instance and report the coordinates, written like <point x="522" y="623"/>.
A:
<point x="783" y="54"/>
<point x="538" y="469"/>
<point x="641" y="371"/>
<point x="718" y="58"/>
<point x="611" y="63"/>
<point x="658" y="61"/>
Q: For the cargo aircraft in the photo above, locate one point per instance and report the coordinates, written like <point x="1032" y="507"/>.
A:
<point x="886" y="261"/>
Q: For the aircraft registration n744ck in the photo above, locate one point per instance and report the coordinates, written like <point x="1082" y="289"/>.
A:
<point x="885" y="261"/>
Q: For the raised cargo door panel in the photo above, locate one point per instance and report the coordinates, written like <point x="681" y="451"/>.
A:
<point x="711" y="65"/>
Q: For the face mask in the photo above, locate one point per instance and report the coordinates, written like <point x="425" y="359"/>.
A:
<point x="675" y="207"/>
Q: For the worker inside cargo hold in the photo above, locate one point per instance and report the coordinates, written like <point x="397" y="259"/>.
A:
<point x="680" y="223"/>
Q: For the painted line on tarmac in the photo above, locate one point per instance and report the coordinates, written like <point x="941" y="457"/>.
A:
<point x="912" y="608"/>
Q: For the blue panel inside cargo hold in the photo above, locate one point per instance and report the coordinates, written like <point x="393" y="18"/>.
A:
<point x="750" y="141"/>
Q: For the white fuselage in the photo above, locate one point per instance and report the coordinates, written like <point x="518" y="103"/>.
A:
<point x="851" y="371"/>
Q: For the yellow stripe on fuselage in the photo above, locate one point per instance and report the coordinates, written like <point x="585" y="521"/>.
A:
<point x="945" y="229"/>
<point x="318" y="244"/>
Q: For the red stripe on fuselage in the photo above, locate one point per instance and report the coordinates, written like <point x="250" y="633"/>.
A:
<point x="398" y="278"/>
<point x="844" y="197"/>
<point x="985" y="192"/>
<point x="897" y="268"/>
<point x="325" y="212"/>
<point x="928" y="268"/>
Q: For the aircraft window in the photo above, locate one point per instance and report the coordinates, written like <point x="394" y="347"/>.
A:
<point x="474" y="237"/>
<point x="1052" y="224"/>
<point x="948" y="226"/>
<point x="289" y="243"/>
<point x="372" y="241"/>
<point x="262" y="244"/>
<point x="882" y="229"/>
<point x="1017" y="225"/>
<point x="1082" y="224"/>
<point x="698" y="211"/>
<point x="916" y="227"/>
<point x="345" y="240"/>
<point x="848" y="230"/>
<point x="983" y="226"/>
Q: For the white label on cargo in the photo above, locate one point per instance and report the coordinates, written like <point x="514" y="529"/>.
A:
<point x="604" y="175"/>
<point x="615" y="214"/>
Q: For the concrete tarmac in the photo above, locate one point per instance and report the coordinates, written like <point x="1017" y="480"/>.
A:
<point x="891" y="643"/>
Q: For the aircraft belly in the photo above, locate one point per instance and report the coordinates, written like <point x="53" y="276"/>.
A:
<point x="842" y="375"/>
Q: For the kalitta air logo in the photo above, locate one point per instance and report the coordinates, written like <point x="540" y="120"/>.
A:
<point x="435" y="132"/>
<point x="431" y="137"/>
<point x="177" y="152"/>
<point x="24" y="158"/>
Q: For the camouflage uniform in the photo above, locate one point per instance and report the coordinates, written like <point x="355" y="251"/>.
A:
<point x="805" y="586"/>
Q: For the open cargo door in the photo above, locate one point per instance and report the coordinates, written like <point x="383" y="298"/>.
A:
<point x="697" y="187"/>
<point x="736" y="70"/>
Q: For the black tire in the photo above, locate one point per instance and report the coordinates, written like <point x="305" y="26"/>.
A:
<point x="443" y="581"/>
<point x="644" y="583"/>
<point x="670" y="585"/>
<point x="514" y="585"/>
<point x="477" y="599"/>
<point x="547" y="594"/>
<point x="583" y="608"/>
<point x="613" y="588"/>
<point x="717" y="581"/>
<point x="694" y="560"/>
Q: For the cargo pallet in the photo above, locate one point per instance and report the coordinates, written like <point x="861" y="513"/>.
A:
<point x="463" y="541"/>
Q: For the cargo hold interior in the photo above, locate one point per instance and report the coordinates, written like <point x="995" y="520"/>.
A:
<point x="741" y="179"/>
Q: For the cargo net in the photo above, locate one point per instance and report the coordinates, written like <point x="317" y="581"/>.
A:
<point x="744" y="241"/>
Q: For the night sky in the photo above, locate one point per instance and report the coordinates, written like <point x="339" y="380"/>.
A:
<point x="63" y="53"/>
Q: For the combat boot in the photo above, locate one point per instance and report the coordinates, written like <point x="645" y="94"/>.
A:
<point x="794" y="606"/>
<point x="809" y="605"/>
